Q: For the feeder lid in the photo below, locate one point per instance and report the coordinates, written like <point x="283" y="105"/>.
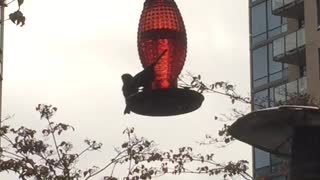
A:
<point x="165" y="102"/>
<point x="271" y="129"/>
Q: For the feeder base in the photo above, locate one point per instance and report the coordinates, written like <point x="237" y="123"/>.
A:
<point x="272" y="129"/>
<point x="165" y="102"/>
<point x="305" y="159"/>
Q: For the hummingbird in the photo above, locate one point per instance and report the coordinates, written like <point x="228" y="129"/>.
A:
<point x="132" y="84"/>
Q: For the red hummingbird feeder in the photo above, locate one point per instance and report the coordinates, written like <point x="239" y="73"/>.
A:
<point x="161" y="29"/>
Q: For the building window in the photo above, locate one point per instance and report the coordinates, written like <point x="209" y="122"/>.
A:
<point x="262" y="162"/>
<point x="264" y="68"/>
<point x="280" y="94"/>
<point x="259" y="22"/>
<point x="264" y="24"/>
<point x="277" y="164"/>
<point x="275" y="159"/>
<point x="271" y="97"/>
<point x="292" y="89"/>
<point x="275" y="68"/>
<point x="260" y="66"/>
<point x="261" y="99"/>
<point x="273" y="21"/>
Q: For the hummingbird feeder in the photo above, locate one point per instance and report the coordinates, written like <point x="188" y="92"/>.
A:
<point x="161" y="29"/>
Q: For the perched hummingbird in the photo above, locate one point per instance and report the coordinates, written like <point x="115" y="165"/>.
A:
<point x="143" y="79"/>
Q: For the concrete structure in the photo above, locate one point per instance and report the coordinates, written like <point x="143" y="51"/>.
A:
<point x="1" y="55"/>
<point x="2" y="19"/>
<point x="285" y="61"/>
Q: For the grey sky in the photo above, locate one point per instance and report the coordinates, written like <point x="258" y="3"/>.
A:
<point x="72" y="53"/>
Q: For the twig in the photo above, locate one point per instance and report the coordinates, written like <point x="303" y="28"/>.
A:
<point x="231" y="94"/>
<point x="85" y="150"/>
<point x="13" y="154"/>
<point x="115" y="160"/>
<point x="54" y="139"/>
<point x="10" y="2"/>
<point x="114" y="167"/>
<point x="106" y="166"/>
<point x="11" y="157"/>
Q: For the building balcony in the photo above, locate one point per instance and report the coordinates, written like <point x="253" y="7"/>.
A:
<point x="286" y="92"/>
<point x="288" y="8"/>
<point x="290" y="48"/>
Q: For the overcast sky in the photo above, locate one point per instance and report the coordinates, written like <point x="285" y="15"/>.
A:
<point x="72" y="53"/>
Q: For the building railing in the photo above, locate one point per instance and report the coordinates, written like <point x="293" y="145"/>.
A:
<point x="289" y="43"/>
<point x="284" y="92"/>
<point x="277" y="4"/>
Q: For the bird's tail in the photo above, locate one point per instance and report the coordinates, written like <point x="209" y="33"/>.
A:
<point x="126" y="110"/>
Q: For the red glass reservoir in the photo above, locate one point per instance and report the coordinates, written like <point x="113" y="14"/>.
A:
<point x="161" y="28"/>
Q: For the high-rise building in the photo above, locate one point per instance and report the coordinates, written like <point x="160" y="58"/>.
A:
<point x="285" y="61"/>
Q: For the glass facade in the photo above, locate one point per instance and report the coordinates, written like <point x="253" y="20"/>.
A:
<point x="267" y="164"/>
<point x="288" y="90"/>
<point x="265" y="70"/>
<point x="264" y="24"/>
<point x="280" y="94"/>
<point x="262" y="158"/>
<point x="269" y="78"/>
